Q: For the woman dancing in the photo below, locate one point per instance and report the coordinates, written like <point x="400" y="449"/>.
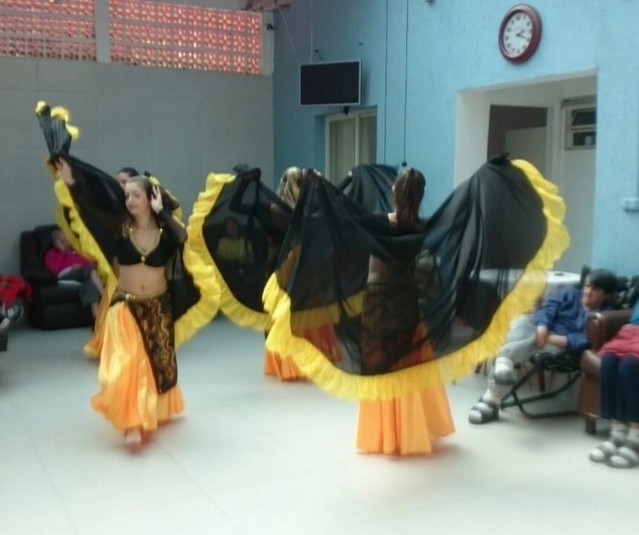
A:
<point x="396" y="291"/>
<point x="163" y="291"/>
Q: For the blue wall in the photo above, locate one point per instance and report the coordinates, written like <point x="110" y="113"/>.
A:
<point x="450" y="46"/>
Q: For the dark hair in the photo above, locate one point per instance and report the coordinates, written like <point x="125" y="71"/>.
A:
<point x="130" y="171"/>
<point x="603" y="279"/>
<point x="410" y="185"/>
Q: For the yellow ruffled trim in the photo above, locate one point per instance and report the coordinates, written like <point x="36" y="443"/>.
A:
<point x="62" y="222"/>
<point x="207" y="306"/>
<point x="59" y="112"/>
<point x="203" y="277"/>
<point x="401" y="383"/>
<point x="236" y="311"/>
<point x="87" y="244"/>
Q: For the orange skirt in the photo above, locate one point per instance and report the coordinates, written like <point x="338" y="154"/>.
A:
<point x="322" y="337"/>
<point x="282" y="367"/>
<point x="128" y="397"/>
<point x="93" y="347"/>
<point x="405" y="426"/>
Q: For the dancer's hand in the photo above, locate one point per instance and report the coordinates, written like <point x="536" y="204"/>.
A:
<point x="64" y="172"/>
<point x="313" y="176"/>
<point x="248" y="173"/>
<point x="156" y="200"/>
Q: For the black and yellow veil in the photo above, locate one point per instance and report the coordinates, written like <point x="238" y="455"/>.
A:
<point x="92" y="214"/>
<point x="479" y="262"/>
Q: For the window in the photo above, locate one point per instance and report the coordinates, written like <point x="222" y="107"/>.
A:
<point x="350" y="140"/>
<point x="581" y="126"/>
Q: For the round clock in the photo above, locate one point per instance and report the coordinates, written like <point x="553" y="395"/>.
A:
<point x="519" y="33"/>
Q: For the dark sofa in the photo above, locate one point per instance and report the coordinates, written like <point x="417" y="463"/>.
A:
<point x="53" y="305"/>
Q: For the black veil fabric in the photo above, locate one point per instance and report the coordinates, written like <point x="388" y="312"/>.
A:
<point x="58" y="134"/>
<point x="453" y="289"/>
<point x="243" y="258"/>
<point x="371" y="186"/>
<point x="94" y="212"/>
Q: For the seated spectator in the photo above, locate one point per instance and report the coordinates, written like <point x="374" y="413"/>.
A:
<point x="620" y="397"/>
<point x="68" y="265"/>
<point x="559" y="323"/>
<point x="233" y="247"/>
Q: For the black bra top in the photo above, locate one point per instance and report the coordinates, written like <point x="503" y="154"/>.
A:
<point x="129" y="254"/>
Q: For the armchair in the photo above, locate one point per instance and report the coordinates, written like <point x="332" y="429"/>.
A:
<point x="600" y="328"/>
<point x="54" y="304"/>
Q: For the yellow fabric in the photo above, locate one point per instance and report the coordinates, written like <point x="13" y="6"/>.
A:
<point x="87" y="244"/>
<point x="93" y="347"/>
<point x="202" y="273"/>
<point x="128" y="397"/>
<point x="401" y="383"/>
<point x="203" y="276"/>
<point x="62" y="222"/>
<point x="206" y="308"/>
<point x="231" y="307"/>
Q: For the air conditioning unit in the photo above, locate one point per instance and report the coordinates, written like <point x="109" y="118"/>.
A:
<point x="267" y="5"/>
<point x="581" y="126"/>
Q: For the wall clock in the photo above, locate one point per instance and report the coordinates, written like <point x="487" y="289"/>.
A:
<point x="519" y="33"/>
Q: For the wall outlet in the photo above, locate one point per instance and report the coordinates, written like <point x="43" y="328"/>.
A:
<point x="630" y="204"/>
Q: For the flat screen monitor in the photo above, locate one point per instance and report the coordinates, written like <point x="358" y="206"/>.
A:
<point x="330" y="83"/>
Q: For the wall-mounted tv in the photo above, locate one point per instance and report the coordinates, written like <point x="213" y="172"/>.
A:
<point x="330" y="83"/>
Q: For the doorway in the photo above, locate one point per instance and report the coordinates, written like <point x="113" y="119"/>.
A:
<point x="521" y="132"/>
<point x="532" y="122"/>
<point x="350" y="140"/>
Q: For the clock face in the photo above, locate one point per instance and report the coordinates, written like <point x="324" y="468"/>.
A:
<point x="519" y="33"/>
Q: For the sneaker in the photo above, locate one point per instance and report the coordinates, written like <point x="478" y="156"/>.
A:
<point x="14" y="312"/>
<point x="10" y="316"/>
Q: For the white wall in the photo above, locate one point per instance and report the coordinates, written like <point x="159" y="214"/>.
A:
<point x="572" y="170"/>
<point x="180" y="125"/>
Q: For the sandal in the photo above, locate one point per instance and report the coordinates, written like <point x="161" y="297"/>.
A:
<point x="483" y="412"/>
<point x="603" y="452"/>
<point x="625" y="457"/>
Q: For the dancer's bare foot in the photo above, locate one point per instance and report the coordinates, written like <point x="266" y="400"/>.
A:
<point x="148" y="436"/>
<point x="133" y="437"/>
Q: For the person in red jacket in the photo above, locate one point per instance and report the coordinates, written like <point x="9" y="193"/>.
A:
<point x="69" y="265"/>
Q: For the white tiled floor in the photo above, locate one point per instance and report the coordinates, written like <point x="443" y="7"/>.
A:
<point x="254" y="456"/>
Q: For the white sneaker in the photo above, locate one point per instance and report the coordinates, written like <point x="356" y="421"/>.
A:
<point x="10" y="316"/>
<point x="14" y="312"/>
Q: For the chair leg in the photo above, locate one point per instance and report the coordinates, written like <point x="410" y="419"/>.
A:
<point x="541" y="377"/>
<point x="521" y="402"/>
<point x="591" y="425"/>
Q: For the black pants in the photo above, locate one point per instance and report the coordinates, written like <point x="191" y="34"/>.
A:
<point x="620" y="388"/>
